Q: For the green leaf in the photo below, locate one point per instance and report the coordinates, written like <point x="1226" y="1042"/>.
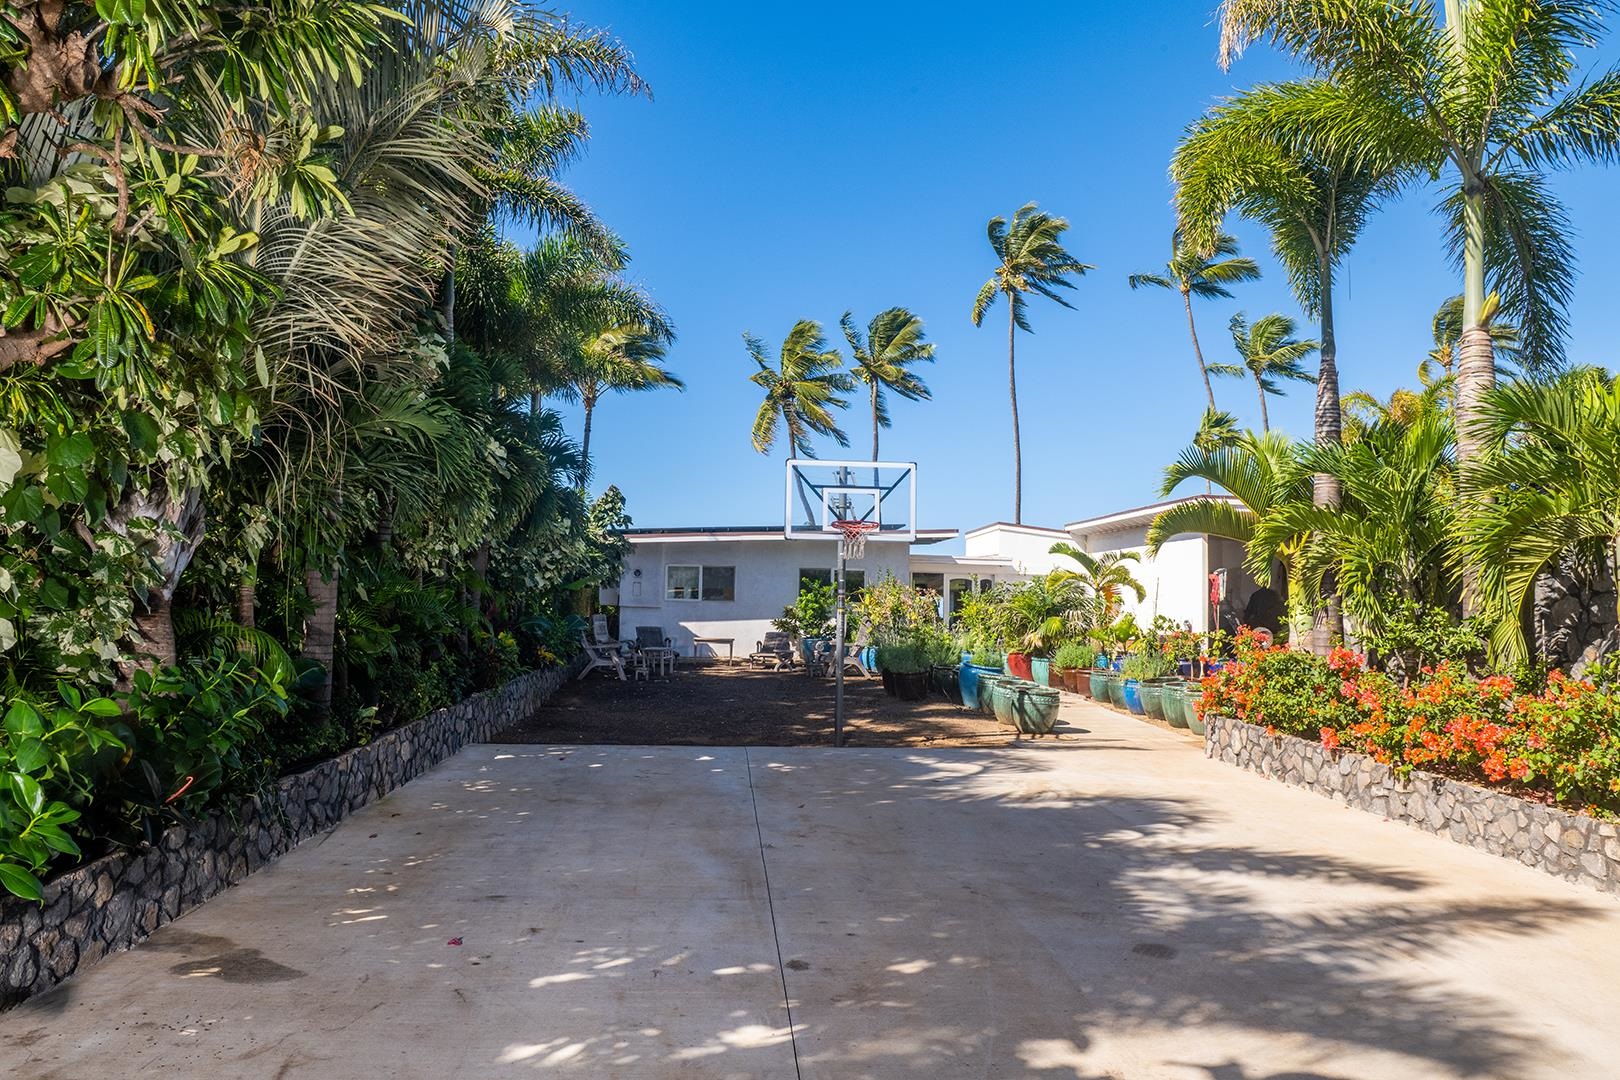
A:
<point x="20" y="882"/>
<point x="22" y="719"/>
<point x="69" y="452"/>
<point x="143" y="431"/>
<point x="29" y="755"/>
<point x="100" y="706"/>
<point x="27" y="793"/>
<point x="56" y="839"/>
<point x="8" y="635"/>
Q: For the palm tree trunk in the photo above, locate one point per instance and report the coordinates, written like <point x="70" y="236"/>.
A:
<point x="1203" y="368"/>
<point x="320" y="629"/>
<point x="1012" y="393"/>
<point x="247" y="596"/>
<point x="1265" y="418"/>
<point x="1328" y="624"/>
<point x="1476" y="364"/>
<point x="535" y="398"/>
<point x="585" y="441"/>
<point x="874" y="419"/>
<point x="154" y="631"/>
<point x="447" y="301"/>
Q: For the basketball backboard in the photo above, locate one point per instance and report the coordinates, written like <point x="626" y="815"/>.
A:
<point x="818" y="493"/>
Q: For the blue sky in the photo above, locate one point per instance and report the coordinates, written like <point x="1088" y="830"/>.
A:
<point x="797" y="162"/>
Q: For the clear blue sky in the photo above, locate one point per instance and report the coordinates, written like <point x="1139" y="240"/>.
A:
<point x="799" y="161"/>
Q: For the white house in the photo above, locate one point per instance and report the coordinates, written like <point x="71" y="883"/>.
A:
<point x="729" y="582"/>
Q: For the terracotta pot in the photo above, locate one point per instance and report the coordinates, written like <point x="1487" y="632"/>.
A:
<point x="1019" y="664"/>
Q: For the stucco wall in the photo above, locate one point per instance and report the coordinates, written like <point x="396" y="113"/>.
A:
<point x="1029" y="549"/>
<point x="767" y="581"/>
<point x="1176" y="580"/>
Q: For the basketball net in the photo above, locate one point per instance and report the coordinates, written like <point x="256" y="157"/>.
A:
<point x="855" y="533"/>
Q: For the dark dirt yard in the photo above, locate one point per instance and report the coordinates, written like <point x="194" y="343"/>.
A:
<point x="719" y="706"/>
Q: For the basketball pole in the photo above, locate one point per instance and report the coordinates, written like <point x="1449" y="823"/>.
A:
<point x="838" y="651"/>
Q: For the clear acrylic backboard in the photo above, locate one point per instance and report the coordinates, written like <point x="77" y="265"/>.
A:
<point x="819" y="493"/>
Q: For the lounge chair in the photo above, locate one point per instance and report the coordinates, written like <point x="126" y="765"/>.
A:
<point x="776" y="651"/>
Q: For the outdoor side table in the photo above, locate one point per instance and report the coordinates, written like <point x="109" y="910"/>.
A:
<point x="661" y="657"/>
<point x="729" y="643"/>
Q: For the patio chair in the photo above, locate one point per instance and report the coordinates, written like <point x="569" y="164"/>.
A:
<point x="776" y="650"/>
<point x="599" y="631"/>
<point x="651" y="637"/>
<point x="607" y="657"/>
<point x="653" y="648"/>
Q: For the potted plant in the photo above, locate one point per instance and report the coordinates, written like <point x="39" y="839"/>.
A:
<point x="810" y="617"/>
<point x="1072" y="663"/>
<point x="978" y="663"/>
<point x="905" y="662"/>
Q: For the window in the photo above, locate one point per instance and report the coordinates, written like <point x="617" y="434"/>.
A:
<point x="700" y="583"/>
<point x="682" y="582"/>
<point x="719" y="583"/>
<point x="934" y="583"/>
<point x="855" y="579"/>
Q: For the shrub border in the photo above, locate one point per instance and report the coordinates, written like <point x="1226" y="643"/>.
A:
<point x="116" y="901"/>
<point x="1575" y="847"/>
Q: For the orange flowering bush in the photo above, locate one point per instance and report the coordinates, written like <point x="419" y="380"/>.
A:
<point x="1563" y="742"/>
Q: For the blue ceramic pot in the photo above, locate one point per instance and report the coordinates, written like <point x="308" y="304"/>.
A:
<point x="967" y="679"/>
<point x="1133" y="697"/>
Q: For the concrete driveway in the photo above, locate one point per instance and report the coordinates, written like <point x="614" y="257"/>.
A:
<point x="1120" y="907"/>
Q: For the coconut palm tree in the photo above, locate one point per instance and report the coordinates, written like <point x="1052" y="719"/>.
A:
<point x="1215" y="430"/>
<point x="1030" y="258"/>
<point x="1487" y="96"/>
<point x="1267" y="351"/>
<point x="1543" y="488"/>
<point x="1206" y="275"/>
<point x="1106" y="577"/>
<point x="883" y="358"/>
<point x="618" y="360"/>
<point x="801" y="390"/>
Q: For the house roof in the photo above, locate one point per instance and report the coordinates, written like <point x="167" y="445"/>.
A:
<point x="686" y="534"/>
<point x="1009" y="526"/>
<point x="1140" y="515"/>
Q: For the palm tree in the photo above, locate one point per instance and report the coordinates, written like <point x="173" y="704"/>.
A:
<point x="618" y="360"/>
<point x="1389" y="541"/>
<point x="1205" y="275"/>
<point x="1488" y="97"/>
<point x="1542" y="489"/>
<point x="1031" y="258"/>
<point x="893" y="343"/>
<point x="1215" y="430"/>
<point x="1363" y="412"/>
<point x="1440" y="365"/>
<point x="800" y="391"/>
<point x="1267" y="351"/>
<point x="1106" y="576"/>
<point x="1314" y="208"/>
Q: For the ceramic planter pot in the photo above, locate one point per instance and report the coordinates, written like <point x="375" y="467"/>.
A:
<point x="986" y="690"/>
<point x="1003" y="700"/>
<point x="1081" y="678"/>
<point x="1175" y="704"/>
<point x="911" y="685"/>
<point x="1193" y="699"/>
<point x="1116" y="690"/>
<point x="1098" y="680"/>
<point x="1152" y="695"/>
<point x="1018" y="664"/>
<point x="1040" y="669"/>
<point x="1035" y="710"/>
<point x="1131" y="691"/>
<point x="948" y="682"/>
<point x="967" y="680"/>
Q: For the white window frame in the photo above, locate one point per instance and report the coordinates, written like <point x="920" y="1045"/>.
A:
<point x="700" y="568"/>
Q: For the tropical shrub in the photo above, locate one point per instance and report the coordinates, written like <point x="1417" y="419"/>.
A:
<point x="1072" y="654"/>
<point x="811" y="614"/>
<point x="1561" y="743"/>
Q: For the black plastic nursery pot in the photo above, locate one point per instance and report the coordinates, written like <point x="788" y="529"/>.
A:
<point x="910" y="685"/>
<point x="888" y="680"/>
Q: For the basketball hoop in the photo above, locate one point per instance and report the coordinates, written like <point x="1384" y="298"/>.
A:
<point x="854" y="533"/>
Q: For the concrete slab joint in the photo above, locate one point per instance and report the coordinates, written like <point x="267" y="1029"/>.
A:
<point x="1569" y="846"/>
<point x="119" y="900"/>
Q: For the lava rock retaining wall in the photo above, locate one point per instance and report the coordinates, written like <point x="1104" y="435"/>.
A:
<point x="112" y="903"/>
<point x="1570" y="846"/>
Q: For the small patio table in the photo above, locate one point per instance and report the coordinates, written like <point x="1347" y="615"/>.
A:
<point x="729" y="643"/>
<point x="661" y="657"/>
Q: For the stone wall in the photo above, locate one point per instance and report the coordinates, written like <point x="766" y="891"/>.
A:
<point x="1570" y="846"/>
<point x="110" y="904"/>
